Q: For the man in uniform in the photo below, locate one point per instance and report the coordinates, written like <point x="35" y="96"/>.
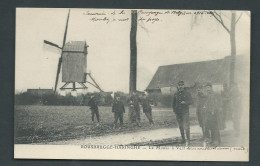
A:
<point x="201" y="113"/>
<point x="181" y="101"/>
<point x="118" y="109"/>
<point x="147" y="109"/>
<point x="94" y="108"/>
<point x="135" y="99"/>
<point x="212" y="111"/>
<point x="134" y="112"/>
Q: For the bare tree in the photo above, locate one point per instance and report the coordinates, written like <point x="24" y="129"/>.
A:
<point x="232" y="33"/>
<point x="231" y="30"/>
<point x="133" y="52"/>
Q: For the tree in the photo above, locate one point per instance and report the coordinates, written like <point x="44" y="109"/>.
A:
<point x="232" y="33"/>
<point x="231" y="30"/>
<point x="133" y="52"/>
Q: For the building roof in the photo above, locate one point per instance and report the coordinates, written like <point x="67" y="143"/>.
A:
<point x="75" y="46"/>
<point x="215" y="71"/>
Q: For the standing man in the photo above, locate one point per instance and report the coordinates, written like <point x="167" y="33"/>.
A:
<point x="94" y="108"/>
<point x="147" y="109"/>
<point x="135" y="98"/>
<point x="118" y="109"/>
<point x="212" y="109"/>
<point x="134" y="112"/>
<point x="131" y="112"/>
<point x="181" y="101"/>
<point x="202" y="114"/>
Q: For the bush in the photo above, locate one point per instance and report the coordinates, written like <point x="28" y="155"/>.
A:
<point x="26" y="99"/>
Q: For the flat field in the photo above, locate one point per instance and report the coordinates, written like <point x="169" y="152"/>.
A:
<point x="42" y="124"/>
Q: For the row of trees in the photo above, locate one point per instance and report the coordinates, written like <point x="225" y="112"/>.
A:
<point x="56" y="99"/>
<point x="160" y="100"/>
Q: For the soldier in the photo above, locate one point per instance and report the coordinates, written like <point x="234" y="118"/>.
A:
<point x="181" y="101"/>
<point x="147" y="109"/>
<point x="134" y="112"/>
<point x="201" y="113"/>
<point x="225" y="96"/>
<point x="94" y="108"/>
<point x="131" y="112"/>
<point x="212" y="112"/>
<point x="118" y="109"/>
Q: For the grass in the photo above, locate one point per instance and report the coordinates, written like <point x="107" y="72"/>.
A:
<point x="40" y="124"/>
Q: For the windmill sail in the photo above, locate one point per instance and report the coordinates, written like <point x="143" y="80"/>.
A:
<point x="60" y="60"/>
<point x="51" y="47"/>
<point x="57" y="75"/>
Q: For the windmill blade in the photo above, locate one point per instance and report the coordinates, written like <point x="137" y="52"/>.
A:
<point x="57" y="75"/>
<point x="51" y="47"/>
<point x="52" y="44"/>
<point x="60" y="59"/>
<point x="66" y="29"/>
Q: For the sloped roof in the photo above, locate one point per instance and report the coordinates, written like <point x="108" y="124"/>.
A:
<point x="75" y="46"/>
<point x="215" y="71"/>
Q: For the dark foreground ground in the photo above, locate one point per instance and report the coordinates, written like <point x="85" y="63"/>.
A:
<point x="41" y="124"/>
<point x="65" y="124"/>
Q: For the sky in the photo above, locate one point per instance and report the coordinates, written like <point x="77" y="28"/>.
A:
<point x="162" y="39"/>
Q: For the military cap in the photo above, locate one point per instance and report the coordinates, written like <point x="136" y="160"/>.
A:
<point x="208" y="84"/>
<point x="117" y="95"/>
<point x="181" y="83"/>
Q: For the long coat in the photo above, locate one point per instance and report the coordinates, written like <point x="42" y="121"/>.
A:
<point x="118" y="107"/>
<point x="146" y="105"/>
<point x="93" y="104"/>
<point x="134" y="111"/>
<point x="213" y="111"/>
<point x="178" y="97"/>
<point x="201" y="109"/>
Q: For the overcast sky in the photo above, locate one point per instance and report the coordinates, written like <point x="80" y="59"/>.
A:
<point x="169" y="40"/>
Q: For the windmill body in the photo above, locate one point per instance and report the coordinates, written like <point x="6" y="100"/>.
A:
<point x="74" y="62"/>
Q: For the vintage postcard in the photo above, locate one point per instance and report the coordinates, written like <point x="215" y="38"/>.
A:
<point x="132" y="84"/>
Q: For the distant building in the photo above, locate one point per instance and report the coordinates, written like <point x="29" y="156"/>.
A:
<point x="215" y="71"/>
<point x="40" y="92"/>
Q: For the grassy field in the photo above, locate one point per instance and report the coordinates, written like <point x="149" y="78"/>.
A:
<point x="40" y="124"/>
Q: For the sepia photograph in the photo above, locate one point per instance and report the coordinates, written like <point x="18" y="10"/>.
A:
<point x="132" y="84"/>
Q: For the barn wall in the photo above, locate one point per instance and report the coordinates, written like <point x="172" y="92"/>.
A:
<point x="73" y="67"/>
<point x="168" y="90"/>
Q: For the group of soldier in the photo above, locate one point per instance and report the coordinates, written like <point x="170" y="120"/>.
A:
<point x="118" y="109"/>
<point x="212" y="111"/>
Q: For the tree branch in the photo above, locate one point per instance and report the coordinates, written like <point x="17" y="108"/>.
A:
<point x="219" y="16"/>
<point x="239" y="17"/>
<point x="220" y="20"/>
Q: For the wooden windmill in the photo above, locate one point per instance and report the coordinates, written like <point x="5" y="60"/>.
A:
<point x="73" y="61"/>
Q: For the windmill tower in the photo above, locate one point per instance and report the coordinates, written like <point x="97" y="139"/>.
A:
<point x="73" y="61"/>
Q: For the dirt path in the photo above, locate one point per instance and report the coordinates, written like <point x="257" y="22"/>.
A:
<point x="128" y="138"/>
<point x="152" y="135"/>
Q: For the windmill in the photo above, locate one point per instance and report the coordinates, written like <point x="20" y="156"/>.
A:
<point x="73" y="61"/>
